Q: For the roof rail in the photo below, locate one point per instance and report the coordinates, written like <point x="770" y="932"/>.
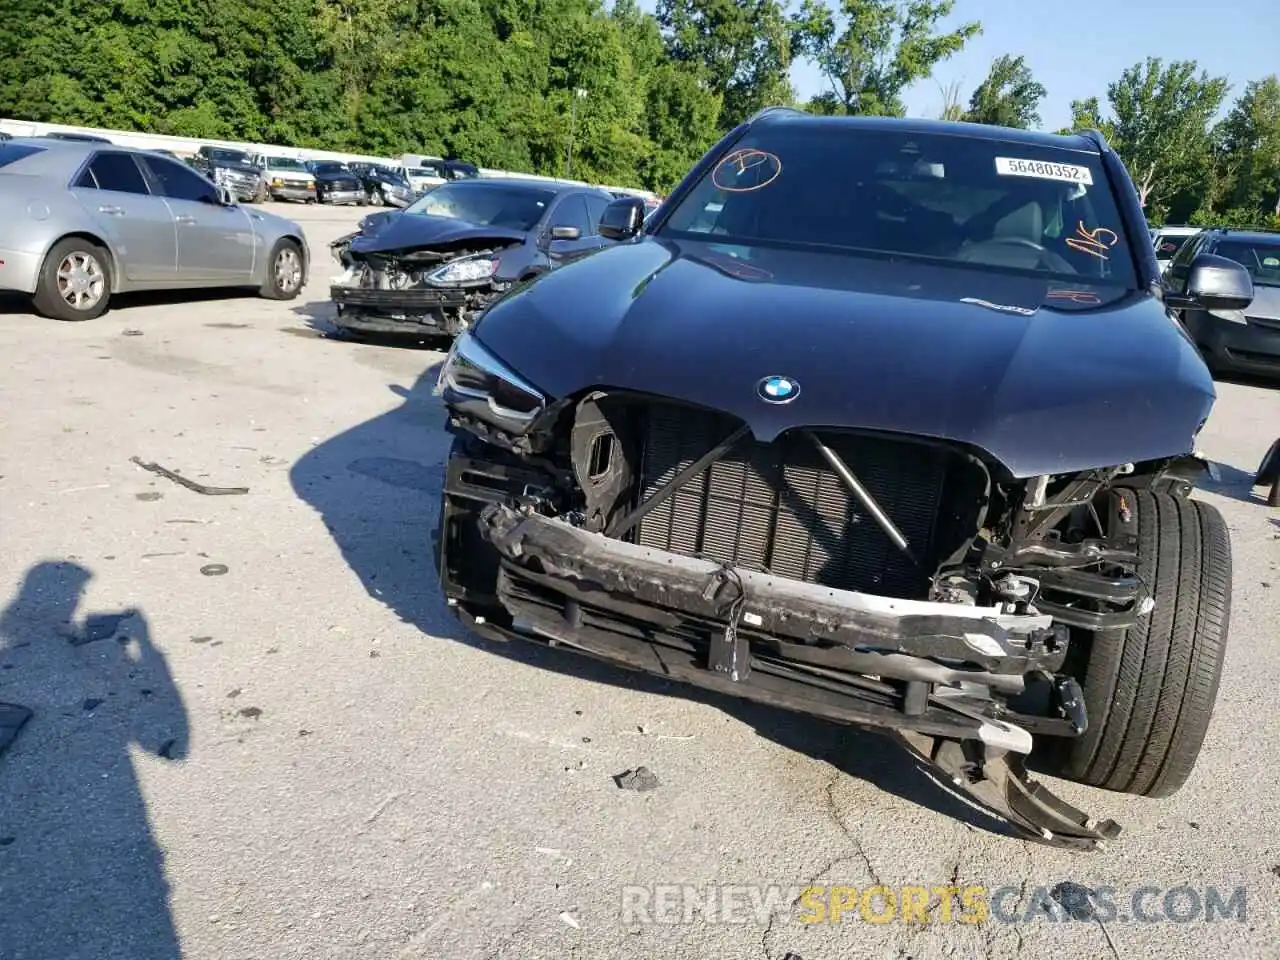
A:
<point x="777" y="108"/>
<point x="1096" y="137"/>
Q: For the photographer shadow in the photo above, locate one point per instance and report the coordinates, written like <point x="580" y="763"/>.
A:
<point x="81" y="874"/>
<point x="377" y="487"/>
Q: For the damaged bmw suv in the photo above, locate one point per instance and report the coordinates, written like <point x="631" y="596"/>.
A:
<point x="879" y="420"/>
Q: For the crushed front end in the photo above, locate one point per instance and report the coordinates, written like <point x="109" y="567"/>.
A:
<point x="882" y="580"/>
<point x="422" y="291"/>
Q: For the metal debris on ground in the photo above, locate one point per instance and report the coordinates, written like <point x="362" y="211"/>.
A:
<point x="12" y="718"/>
<point x="150" y="496"/>
<point x="568" y="918"/>
<point x="643" y="731"/>
<point x="131" y="333"/>
<point x="190" y="484"/>
<point x="640" y="779"/>
<point x="214" y="569"/>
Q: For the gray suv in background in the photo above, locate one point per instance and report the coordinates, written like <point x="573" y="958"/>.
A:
<point x="1233" y="341"/>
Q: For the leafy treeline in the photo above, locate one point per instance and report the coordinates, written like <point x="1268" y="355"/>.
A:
<point x="504" y="82"/>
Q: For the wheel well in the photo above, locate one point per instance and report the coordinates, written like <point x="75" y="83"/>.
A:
<point x="97" y="242"/>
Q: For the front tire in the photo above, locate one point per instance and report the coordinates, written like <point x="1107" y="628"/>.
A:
<point x="75" y="281"/>
<point x="1149" y="690"/>
<point x="284" y="272"/>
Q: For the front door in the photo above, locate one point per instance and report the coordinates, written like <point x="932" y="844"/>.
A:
<point x="138" y="225"/>
<point x="571" y="211"/>
<point x="215" y="242"/>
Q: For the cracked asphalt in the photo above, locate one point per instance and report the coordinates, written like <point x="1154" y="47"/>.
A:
<point x="258" y="734"/>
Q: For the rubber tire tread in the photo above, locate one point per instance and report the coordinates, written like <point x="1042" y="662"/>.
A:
<point x="1149" y="690"/>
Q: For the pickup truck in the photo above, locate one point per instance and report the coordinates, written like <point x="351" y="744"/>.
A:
<point x="233" y="169"/>
<point x="287" y="178"/>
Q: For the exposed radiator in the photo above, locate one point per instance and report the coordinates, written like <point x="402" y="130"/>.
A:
<point x="779" y="508"/>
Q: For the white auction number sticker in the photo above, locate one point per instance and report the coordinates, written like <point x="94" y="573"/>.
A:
<point x="1043" y="170"/>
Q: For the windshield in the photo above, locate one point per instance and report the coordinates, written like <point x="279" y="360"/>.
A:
<point x="284" y="163"/>
<point x="971" y="201"/>
<point x="229" y="156"/>
<point x="331" y="168"/>
<point x="486" y="203"/>
<point x="13" y="152"/>
<point x="1260" y="257"/>
<point x="427" y="171"/>
<point x="1168" y="244"/>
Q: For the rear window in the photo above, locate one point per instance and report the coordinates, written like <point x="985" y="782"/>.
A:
<point x="13" y="152"/>
<point x="1168" y="245"/>
<point x="968" y="201"/>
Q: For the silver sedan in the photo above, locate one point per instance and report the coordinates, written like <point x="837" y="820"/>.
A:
<point x="80" y="222"/>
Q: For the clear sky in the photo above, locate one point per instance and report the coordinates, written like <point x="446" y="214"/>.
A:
<point x="1076" y="48"/>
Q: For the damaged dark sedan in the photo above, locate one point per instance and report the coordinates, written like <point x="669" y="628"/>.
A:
<point x="430" y="269"/>
<point x="879" y="420"/>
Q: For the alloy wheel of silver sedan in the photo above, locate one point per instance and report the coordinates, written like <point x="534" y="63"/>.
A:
<point x="81" y="280"/>
<point x="288" y="270"/>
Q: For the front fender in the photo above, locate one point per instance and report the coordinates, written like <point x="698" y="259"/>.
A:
<point x="1269" y="471"/>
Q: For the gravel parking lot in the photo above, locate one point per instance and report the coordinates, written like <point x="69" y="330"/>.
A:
<point x="258" y="732"/>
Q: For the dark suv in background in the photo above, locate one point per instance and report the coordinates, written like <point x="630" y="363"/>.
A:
<point x="1233" y="341"/>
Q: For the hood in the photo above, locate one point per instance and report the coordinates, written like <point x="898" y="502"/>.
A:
<point x="236" y="165"/>
<point x="1045" y="378"/>
<point x="1266" y="304"/>
<point x="404" y="231"/>
<point x="306" y="176"/>
<point x="332" y="176"/>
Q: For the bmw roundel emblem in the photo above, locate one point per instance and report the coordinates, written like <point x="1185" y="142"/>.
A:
<point x="777" y="389"/>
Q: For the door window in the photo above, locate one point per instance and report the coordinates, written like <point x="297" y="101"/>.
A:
<point x="178" y="182"/>
<point x="572" y="212"/>
<point x="113" y="171"/>
<point x="595" y="210"/>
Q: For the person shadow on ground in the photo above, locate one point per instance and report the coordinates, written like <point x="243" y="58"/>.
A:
<point x="81" y="875"/>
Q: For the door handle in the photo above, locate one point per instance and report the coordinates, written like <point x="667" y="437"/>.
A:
<point x="111" y="211"/>
<point x="183" y="218"/>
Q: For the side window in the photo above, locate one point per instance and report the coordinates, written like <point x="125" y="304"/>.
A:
<point x="180" y="183"/>
<point x="1188" y="251"/>
<point x="595" y="210"/>
<point x="571" y="211"/>
<point x="114" y="171"/>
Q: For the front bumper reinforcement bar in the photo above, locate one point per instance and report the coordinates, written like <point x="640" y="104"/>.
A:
<point x="768" y="632"/>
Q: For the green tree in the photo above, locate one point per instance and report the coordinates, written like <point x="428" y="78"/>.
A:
<point x="1009" y="97"/>
<point x="1159" y="124"/>
<point x="1248" y="143"/>
<point x="739" y="50"/>
<point x="870" y="51"/>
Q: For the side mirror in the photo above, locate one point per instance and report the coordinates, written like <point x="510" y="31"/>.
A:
<point x="565" y="233"/>
<point x="622" y="219"/>
<point x="225" y="198"/>
<point x="1216" y="283"/>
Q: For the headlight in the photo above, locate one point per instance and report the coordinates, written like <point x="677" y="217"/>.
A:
<point x="464" y="271"/>
<point x="475" y="382"/>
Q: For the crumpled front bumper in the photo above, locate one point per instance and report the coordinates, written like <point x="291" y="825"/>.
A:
<point x="433" y="311"/>
<point x="512" y="574"/>
<point x="600" y="594"/>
